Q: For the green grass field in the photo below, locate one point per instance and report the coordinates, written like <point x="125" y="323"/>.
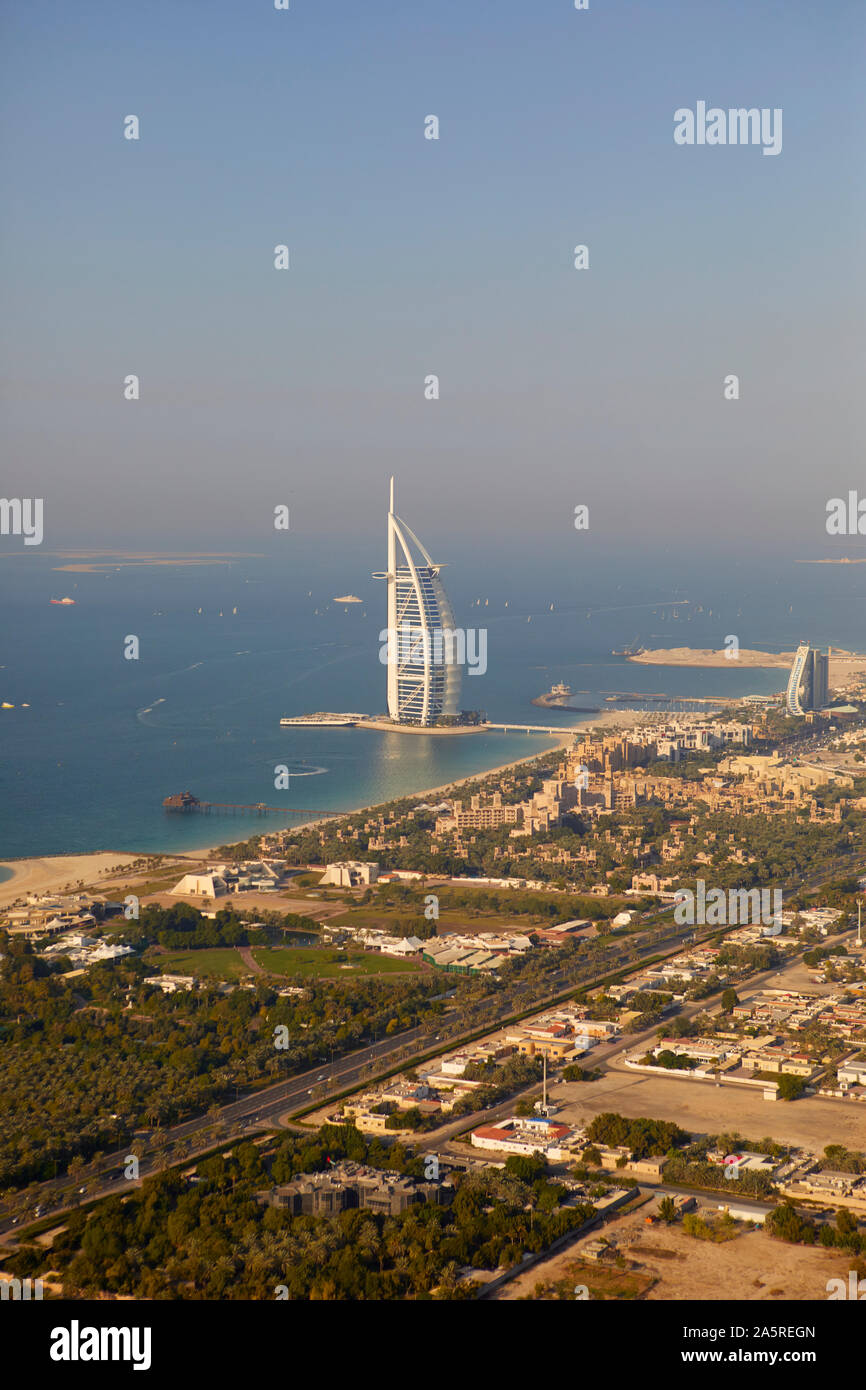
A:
<point x="218" y="962"/>
<point x="326" y="963"/>
<point x="225" y="963"/>
<point x="450" y="919"/>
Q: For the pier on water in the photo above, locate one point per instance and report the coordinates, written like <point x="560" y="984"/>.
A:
<point x="186" y="802"/>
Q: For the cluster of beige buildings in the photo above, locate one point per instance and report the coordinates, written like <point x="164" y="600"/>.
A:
<point x="775" y="777"/>
<point x="533" y="816"/>
<point x="839" y="1189"/>
<point x="600" y="776"/>
<point x="762" y="1042"/>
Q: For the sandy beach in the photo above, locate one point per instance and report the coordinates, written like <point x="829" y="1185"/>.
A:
<point x="71" y="872"/>
<point x="60" y="872"/>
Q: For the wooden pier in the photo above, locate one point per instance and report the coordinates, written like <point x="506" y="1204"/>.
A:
<point x="185" y="802"/>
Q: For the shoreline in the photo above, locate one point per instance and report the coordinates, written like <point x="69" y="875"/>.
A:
<point x="707" y="657"/>
<point x="844" y="665"/>
<point x="48" y="873"/>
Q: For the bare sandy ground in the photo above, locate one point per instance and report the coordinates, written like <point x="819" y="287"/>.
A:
<point x="704" y="1108"/>
<point x="752" y="1268"/>
<point x="65" y="871"/>
<point x="705" y="656"/>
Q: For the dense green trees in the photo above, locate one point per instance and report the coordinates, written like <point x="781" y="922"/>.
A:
<point x="788" y="1224"/>
<point x="75" y="1054"/>
<point x="646" y="1138"/>
<point x="213" y="1240"/>
<point x="790" y="1087"/>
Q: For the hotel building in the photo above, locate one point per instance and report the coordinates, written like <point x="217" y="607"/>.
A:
<point x="808" y="681"/>
<point x="423" y="668"/>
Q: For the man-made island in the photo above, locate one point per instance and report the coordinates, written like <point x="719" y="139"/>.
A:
<point x="844" y="665"/>
<point x="559" y="697"/>
<point x="705" y="656"/>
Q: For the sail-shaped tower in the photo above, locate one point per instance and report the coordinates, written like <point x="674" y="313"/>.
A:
<point x="423" y="677"/>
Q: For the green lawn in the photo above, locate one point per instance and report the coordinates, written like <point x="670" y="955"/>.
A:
<point x="222" y="962"/>
<point x="225" y="963"/>
<point x="450" y="919"/>
<point x="326" y="963"/>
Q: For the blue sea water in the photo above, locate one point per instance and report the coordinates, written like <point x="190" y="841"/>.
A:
<point x="105" y="739"/>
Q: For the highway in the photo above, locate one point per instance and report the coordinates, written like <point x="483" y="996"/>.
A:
<point x="262" y="1109"/>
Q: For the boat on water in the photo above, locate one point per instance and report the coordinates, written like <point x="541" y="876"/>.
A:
<point x="64" y="602"/>
<point x="347" y="598"/>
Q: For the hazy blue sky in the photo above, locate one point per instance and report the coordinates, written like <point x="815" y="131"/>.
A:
<point x="412" y="257"/>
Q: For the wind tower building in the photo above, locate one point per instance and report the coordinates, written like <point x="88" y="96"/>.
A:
<point x="423" y="677"/>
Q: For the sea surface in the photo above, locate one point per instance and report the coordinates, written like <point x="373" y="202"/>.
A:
<point x="226" y="650"/>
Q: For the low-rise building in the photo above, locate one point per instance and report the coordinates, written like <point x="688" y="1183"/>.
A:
<point x="523" y="1135"/>
<point x="347" y="1185"/>
<point x="350" y="874"/>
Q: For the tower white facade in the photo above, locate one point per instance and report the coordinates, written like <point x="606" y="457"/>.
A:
<point x="423" y="675"/>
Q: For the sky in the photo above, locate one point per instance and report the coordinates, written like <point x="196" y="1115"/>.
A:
<point x="411" y="257"/>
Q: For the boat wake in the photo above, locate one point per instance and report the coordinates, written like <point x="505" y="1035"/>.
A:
<point x="148" y="709"/>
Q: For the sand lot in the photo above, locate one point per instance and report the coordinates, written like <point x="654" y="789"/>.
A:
<point x="754" y="1267"/>
<point x="54" y="874"/>
<point x="703" y="1108"/>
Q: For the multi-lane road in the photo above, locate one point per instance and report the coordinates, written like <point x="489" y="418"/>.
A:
<point x="263" y="1108"/>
